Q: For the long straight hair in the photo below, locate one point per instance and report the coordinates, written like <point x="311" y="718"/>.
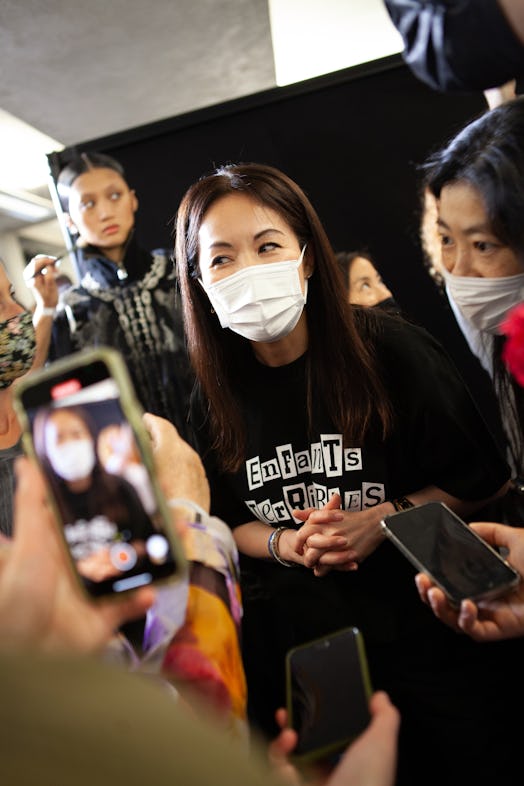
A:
<point x="104" y="490"/>
<point x="341" y="373"/>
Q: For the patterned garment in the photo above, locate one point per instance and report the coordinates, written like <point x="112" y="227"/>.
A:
<point x="17" y="347"/>
<point x="135" y="309"/>
<point x="192" y="634"/>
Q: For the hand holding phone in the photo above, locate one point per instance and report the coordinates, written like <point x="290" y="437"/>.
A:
<point x="328" y="692"/>
<point x="437" y="542"/>
<point x="41" y="607"/>
<point x="83" y="425"/>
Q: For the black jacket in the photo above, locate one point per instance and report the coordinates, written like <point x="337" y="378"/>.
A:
<point x="458" y="45"/>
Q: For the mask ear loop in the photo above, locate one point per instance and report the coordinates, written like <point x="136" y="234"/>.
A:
<point x="212" y="310"/>
<point x="301" y="259"/>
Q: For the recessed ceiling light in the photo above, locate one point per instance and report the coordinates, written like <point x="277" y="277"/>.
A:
<point x="28" y="208"/>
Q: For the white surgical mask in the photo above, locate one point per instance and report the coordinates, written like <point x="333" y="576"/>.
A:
<point x="484" y="302"/>
<point x="72" y="460"/>
<point x="261" y="302"/>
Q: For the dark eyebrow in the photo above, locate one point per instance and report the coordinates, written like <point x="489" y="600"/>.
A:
<point x="267" y="232"/>
<point x="220" y="244"/>
<point x="91" y="195"/>
<point x="223" y="244"/>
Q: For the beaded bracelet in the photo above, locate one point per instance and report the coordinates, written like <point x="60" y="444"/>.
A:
<point x="272" y="547"/>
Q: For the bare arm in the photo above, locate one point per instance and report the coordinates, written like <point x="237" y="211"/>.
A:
<point x="331" y="538"/>
<point x="40" y="277"/>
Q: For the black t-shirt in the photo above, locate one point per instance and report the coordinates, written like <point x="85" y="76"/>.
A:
<point x="439" y="439"/>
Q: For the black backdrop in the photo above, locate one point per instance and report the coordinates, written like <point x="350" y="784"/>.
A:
<point x="352" y="140"/>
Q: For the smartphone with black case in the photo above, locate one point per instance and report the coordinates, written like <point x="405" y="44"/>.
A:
<point x="328" y="691"/>
<point x="83" y="424"/>
<point x="439" y="543"/>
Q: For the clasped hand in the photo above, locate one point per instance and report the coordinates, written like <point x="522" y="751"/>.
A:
<point x="335" y="539"/>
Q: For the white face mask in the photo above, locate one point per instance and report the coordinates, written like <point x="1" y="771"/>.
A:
<point x="261" y="302"/>
<point x="72" y="460"/>
<point x="485" y="302"/>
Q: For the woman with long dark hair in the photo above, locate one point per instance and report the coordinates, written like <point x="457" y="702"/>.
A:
<point x="315" y="419"/>
<point x="98" y="509"/>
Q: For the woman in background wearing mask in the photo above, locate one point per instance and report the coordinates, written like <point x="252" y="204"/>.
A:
<point x="315" y="419"/>
<point x="478" y="181"/>
<point x="119" y="455"/>
<point x="24" y="343"/>
<point x="364" y="283"/>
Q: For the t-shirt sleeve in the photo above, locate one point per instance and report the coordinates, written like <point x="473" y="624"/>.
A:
<point x="225" y="503"/>
<point x="441" y="437"/>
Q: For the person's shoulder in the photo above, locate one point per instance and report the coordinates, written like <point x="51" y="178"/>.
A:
<point x="70" y="297"/>
<point x="402" y="346"/>
<point x="166" y="253"/>
<point x="389" y="331"/>
<point x="162" y="268"/>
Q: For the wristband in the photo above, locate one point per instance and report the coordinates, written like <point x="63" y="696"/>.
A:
<point x="272" y="547"/>
<point x="48" y="311"/>
<point x="180" y="502"/>
<point x="402" y="503"/>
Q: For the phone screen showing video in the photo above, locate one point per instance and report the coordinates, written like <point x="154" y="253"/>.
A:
<point x="329" y="688"/>
<point x="101" y="487"/>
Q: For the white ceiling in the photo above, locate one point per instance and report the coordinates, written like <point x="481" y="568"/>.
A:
<point x="78" y="70"/>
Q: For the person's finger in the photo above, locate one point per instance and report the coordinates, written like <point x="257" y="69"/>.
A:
<point x="280" y="749"/>
<point x="116" y="611"/>
<point x="468" y="615"/>
<point x="492" y="533"/>
<point x="281" y="717"/>
<point x="423" y="584"/>
<point x="332" y="504"/>
<point x="32" y="514"/>
<point x="384" y="712"/>
<point x="320" y="519"/>
<point x="158" y="428"/>
<point x="37" y="266"/>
